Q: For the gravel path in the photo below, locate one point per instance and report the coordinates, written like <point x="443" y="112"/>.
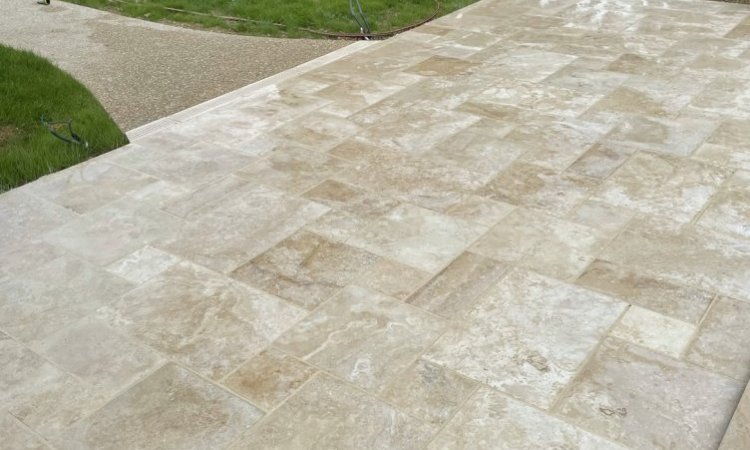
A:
<point x="142" y="71"/>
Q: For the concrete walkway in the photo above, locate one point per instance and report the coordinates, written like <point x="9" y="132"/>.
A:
<point x="142" y="71"/>
<point x="524" y="226"/>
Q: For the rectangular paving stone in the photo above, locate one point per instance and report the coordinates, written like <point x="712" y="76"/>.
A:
<point x="738" y="431"/>
<point x="728" y="211"/>
<point x="205" y="320"/>
<point x="417" y="237"/>
<point x="722" y="340"/>
<point x="453" y="291"/>
<point x="328" y="413"/>
<point x="18" y="436"/>
<point x="626" y="388"/>
<point x="393" y="278"/>
<point x="171" y="409"/>
<point x="269" y="378"/>
<point x="143" y="264"/>
<point x="654" y="331"/>
<point x="362" y="336"/>
<point x="305" y="268"/>
<point x="684" y="303"/>
<point x="24" y="216"/>
<point x="243" y="224"/>
<point x="510" y="341"/>
<point x="491" y="420"/>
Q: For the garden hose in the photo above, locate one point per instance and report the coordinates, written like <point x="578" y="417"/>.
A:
<point x="359" y="17"/>
<point x="73" y="138"/>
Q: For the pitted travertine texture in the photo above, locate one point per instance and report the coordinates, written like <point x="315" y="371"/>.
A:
<point x="524" y="225"/>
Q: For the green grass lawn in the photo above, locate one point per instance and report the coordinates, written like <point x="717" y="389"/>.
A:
<point x="31" y="87"/>
<point x="293" y="15"/>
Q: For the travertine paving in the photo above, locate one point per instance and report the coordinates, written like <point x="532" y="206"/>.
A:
<point x="525" y="225"/>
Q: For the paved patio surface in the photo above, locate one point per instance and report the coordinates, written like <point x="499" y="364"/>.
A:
<point x="142" y="71"/>
<point x="525" y="225"/>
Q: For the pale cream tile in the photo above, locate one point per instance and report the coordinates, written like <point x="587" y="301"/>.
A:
<point x="654" y="331"/>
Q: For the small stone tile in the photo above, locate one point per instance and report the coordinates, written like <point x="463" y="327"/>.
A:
<point x="418" y="237"/>
<point x="529" y="100"/>
<point x="318" y="131"/>
<point x="305" y="268"/>
<point x="441" y="66"/>
<point x="243" y="224"/>
<point x="25" y="256"/>
<point x="90" y="185"/>
<point x="454" y="291"/>
<point x="332" y="414"/>
<point x="362" y="336"/>
<point x="393" y="278"/>
<point x="269" y="378"/>
<point x="671" y="137"/>
<point x="608" y="218"/>
<point x="738" y="431"/>
<point x="541" y="242"/>
<point x="639" y="99"/>
<point x="688" y="256"/>
<point x="626" y="388"/>
<point x="97" y="355"/>
<point x="17" y="436"/>
<point x="683" y="303"/>
<point x="722" y="340"/>
<point x="530" y="64"/>
<point x="293" y="169"/>
<point x="429" y="392"/>
<point x="171" y="409"/>
<point x="352" y="209"/>
<point x="661" y="185"/>
<point x="527" y="336"/>
<point x="55" y="294"/>
<point x="24" y="217"/>
<point x="491" y="420"/>
<point x="143" y="264"/>
<point x="601" y="160"/>
<point x="729" y="210"/>
<point x="725" y="97"/>
<point x="726" y="146"/>
<point x="186" y="203"/>
<point x="113" y="231"/>
<point x="207" y="321"/>
<point x="197" y="165"/>
<point x="555" y="145"/>
<point x="654" y="331"/>
<point x="480" y="210"/>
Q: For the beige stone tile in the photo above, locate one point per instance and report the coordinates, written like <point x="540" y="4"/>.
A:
<point x="722" y="340"/>
<point x="555" y="145"/>
<point x="171" y="409"/>
<point x="491" y="420"/>
<point x="201" y="318"/>
<point x="318" y="131"/>
<point x="420" y="238"/>
<point x="327" y="413"/>
<point x="88" y="186"/>
<point x="539" y="98"/>
<point x="198" y="165"/>
<point x="649" y="291"/>
<point x="729" y="210"/>
<point x="688" y="257"/>
<point x="530" y="64"/>
<point x="662" y="186"/>
<point x="98" y="355"/>
<point x="543" y="243"/>
<point x="353" y="94"/>
<point x="305" y="268"/>
<point x="527" y="336"/>
<point x="113" y="231"/>
<point x="17" y="436"/>
<point x="422" y="181"/>
<point x="352" y="209"/>
<point x="40" y="395"/>
<point x="676" y="137"/>
<point x="53" y="295"/>
<point x="725" y="97"/>
<point x="24" y="217"/>
<point x="24" y="256"/>
<point x="293" y="169"/>
<point x="481" y="210"/>
<point x="726" y="146"/>
<point x="654" y="331"/>
<point x="429" y="392"/>
<point x="143" y="264"/>
<point x="579" y="76"/>
<point x="393" y="278"/>
<point x="654" y="99"/>
<point x="184" y="203"/>
<point x="243" y="224"/>
<point x="646" y="400"/>
<point x="362" y="336"/>
<point x="441" y="66"/>
<point x="738" y="431"/>
<point x="269" y="378"/>
<point x="602" y="159"/>
<point x="454" y="291"/>
<point x="603" y="216"/>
